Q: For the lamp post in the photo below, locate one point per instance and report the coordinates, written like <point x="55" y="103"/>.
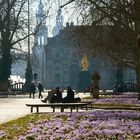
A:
<point x="28" y="30"/>
<point x="28" y="73"/>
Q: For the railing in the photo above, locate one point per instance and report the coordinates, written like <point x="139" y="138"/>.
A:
<point x="132" y="87"/>
<point x="16" y="87"/>
<point x="125" y="87"/>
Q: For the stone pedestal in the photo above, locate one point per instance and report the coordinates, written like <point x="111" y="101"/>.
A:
<point x="94" y="90"/>
<point x="84" y="80"/>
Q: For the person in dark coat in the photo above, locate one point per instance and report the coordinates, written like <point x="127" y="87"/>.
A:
<point x="57" y="97"/>
<point x="70" y="96"/>
<point x="49" y="97"/>
<point x="40" y="89"/>
<point x="32" y="89"/>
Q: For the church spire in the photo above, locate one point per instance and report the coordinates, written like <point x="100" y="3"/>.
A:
<point x="59" y="21"/>
<point x="41" y="36"/>
<point x="41" y="14"/>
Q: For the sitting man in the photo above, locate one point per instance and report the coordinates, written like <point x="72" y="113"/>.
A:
<point x="70" y="97"/>
<point x="54" y="96"/>
<point x="57" y="97"/>
<point x="49" y="97"/>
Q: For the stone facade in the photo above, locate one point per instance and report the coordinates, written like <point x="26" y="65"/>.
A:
<point x="57" y="59"/>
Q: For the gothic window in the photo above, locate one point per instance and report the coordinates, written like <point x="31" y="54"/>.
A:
<point x="74" y="54"/>
<point x="38" y="40"/>
<point x="57" y="68"/>
<point x="57" y="55"/>
<point x="42" y="40"/>
<point x="49" y="54"/>
<point x="57" y="78"/>
<point x="74" y="75"/>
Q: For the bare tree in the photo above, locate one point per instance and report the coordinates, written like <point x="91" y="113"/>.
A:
<point x="13" y="29"/>
<point x="117" y="25"/>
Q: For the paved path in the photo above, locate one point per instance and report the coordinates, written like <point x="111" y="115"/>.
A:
<point x="11" y="108"/>
<point x="14" y="107"/>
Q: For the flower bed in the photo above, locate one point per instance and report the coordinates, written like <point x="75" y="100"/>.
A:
<point x="117" y="101"/>
<point x="93" y="125"/>
<point x="125" y="98"/>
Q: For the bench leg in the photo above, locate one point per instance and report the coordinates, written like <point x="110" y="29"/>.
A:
<point x="77" y="109"/>
<point x="37" y="109"/>
<point x="53" y="109"/>
<point x="31" y="109"/>
<point x="86" y="108"/>
<point x="62" y="109"/>
<point x="91" y="106"/>
<point x="71" y="109"/>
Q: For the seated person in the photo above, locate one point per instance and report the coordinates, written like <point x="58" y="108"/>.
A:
<point x="54" y="96"/>
<point x="49" y="97"/>
<point x="70" y="97"/>
<point x="57" y="97"/>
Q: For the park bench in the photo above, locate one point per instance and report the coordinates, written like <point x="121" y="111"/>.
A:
<point x="4" y="94"/>
<point x="62" y="106"/>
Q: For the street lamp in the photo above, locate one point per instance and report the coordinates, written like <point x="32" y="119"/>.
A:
<point x="28" y="31"/>
<point x="28" y="73"/>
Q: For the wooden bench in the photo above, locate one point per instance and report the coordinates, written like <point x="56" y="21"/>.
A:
<point x="4" y="94"/>
<point x="58" y="105"/>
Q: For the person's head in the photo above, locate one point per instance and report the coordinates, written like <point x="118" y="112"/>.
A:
<point x="69" y="87"/>
<point x="57" y="88"/>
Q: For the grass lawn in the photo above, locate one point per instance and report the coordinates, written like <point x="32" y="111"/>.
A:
<point x="91" y="125"/>
<point x="87" y="125"/>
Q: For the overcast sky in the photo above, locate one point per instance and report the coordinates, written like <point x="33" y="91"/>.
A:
<point x="52" y="5"/>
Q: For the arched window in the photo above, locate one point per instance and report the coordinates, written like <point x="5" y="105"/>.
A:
<point x="57" y="55"/>
<point x="42" y="40"/>
<point x="74" y="75"/>
<point x="57" y="78"/>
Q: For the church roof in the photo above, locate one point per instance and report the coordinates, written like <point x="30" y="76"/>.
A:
<point x="78" y="35"/>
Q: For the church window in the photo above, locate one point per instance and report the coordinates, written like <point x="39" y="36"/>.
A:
<point x="57" y="68"/>
<point x="57" y="78"/>
<point x="57" y="55"/>
<point x="42" y="40"/>
<point x="74" y="75"/>
<point x="74" y="54"/>
<point x="38" y="40"/>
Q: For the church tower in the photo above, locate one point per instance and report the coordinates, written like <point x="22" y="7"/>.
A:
<point x="41" y="28"/>
<point x="40" y="41"/>
<point x="59" y="21"/>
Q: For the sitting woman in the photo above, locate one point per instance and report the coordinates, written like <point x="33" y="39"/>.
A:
<point x="70" y="97"/>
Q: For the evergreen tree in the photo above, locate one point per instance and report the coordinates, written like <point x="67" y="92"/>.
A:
<point x="28" y="76"/>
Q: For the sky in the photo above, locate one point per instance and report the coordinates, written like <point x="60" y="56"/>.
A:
<point x="53" y="5"/>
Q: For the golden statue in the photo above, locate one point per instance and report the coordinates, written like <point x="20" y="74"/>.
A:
<point x="84" y="63"/>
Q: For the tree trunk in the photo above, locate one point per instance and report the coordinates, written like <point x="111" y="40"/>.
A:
<point x="6" y="64"/>
<point x="138" y="79"/>
<point x="138" y="66"/>
<point x="137" y="28"/>
<point x="3" y="86"/>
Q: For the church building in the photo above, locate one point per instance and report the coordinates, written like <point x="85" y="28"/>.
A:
<point x="57" y="60"/>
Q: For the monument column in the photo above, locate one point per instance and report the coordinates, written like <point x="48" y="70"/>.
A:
<point x="94" y="91"/>
<point x="84" y="75"/>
